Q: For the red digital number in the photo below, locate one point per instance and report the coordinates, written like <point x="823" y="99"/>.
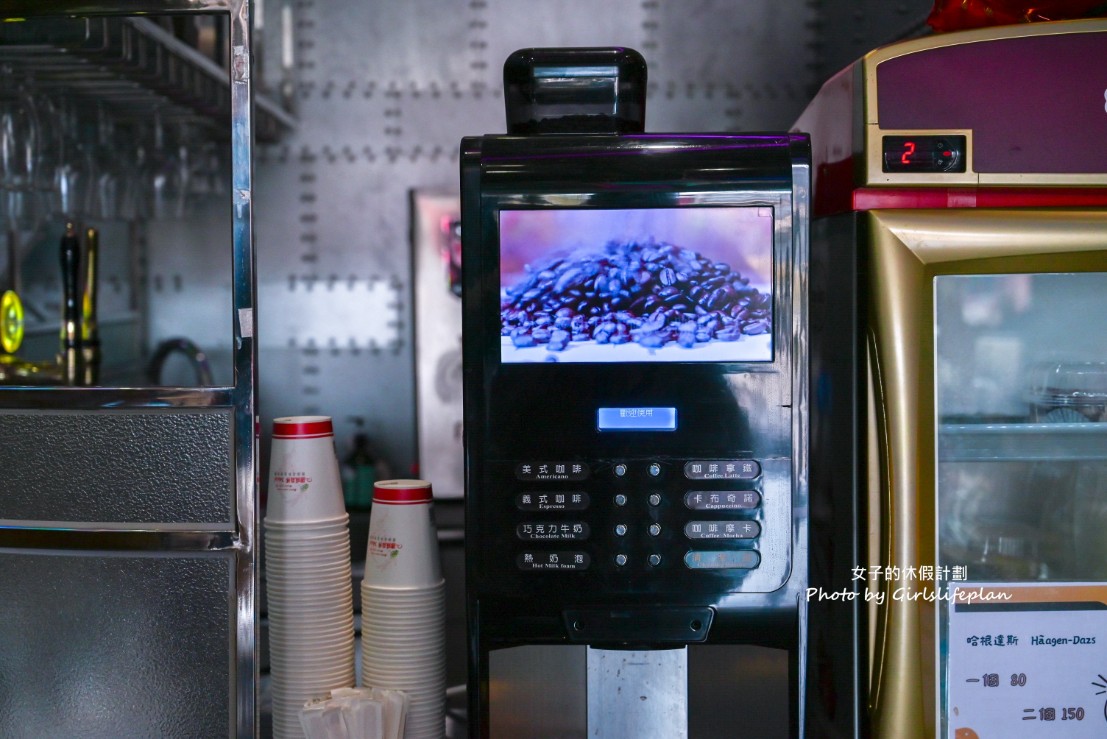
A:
<point x="908" y="152"/>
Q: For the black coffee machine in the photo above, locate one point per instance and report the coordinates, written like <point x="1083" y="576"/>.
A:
<point x="636" y="411"/>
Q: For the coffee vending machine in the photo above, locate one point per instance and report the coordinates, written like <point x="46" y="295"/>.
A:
<point x="636" y="411"/>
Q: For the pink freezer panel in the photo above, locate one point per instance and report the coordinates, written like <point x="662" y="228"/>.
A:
<point x="1035" y="104"/>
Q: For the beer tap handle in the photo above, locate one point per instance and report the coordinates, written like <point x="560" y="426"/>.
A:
<point x="90" y="330"/>
<point x="71" y="311"/>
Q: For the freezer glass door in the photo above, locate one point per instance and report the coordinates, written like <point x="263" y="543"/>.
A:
<point x="1021" y="402"/>
<point x="1021" y="390"/>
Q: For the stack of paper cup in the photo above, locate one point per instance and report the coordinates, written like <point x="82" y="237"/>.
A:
<point x="403" y="605"/>
<point x="307" y="571"/>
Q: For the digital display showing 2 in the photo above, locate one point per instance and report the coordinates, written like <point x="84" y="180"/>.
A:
<point x="924" y="153"/>
<point x="636" y="285"/>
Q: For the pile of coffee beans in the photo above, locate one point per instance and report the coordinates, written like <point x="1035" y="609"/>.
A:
<point x="649" y="293"/>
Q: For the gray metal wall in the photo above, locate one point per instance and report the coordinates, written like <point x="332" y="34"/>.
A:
<point x="385" y="92"/>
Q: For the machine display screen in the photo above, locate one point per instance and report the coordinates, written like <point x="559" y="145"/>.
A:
<point x="687" y="284"/>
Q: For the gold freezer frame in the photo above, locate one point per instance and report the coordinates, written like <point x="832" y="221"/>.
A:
<point x="906" y="250"/>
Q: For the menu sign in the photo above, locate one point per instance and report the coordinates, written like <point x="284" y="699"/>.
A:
<point x="1026" y="660"/>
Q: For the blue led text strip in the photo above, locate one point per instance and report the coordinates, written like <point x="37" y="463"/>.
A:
<point x="636" y="419"/>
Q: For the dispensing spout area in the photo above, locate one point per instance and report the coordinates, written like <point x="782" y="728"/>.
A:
<point x="195" y="356"/>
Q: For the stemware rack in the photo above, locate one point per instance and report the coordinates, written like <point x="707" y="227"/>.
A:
<point x="135" y="66"/>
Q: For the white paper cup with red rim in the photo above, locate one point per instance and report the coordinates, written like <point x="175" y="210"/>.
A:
<point x="403" y="541"/>
<point x="305" y="485"/>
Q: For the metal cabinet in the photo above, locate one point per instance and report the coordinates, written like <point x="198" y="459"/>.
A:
<point x="128" y="513"/>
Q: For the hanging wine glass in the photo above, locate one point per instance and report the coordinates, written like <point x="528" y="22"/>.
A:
<point x="102" y="194"/>
<point x="19" y="151"/>
<point x="70" y="171"/>
<point x="134" y="196"/>
<point x="184" y="163"/>
<point x="163" y="172"/>
<point x="50" y="154"/>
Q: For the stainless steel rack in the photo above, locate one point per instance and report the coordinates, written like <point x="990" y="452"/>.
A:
<point x="128" y="524"/>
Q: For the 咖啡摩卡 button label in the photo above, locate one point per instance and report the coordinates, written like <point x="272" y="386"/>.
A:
<point x="722" y="530"/>
<point x="722" y="469"/>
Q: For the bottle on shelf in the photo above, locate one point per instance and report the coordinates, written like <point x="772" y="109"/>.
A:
<point x="78" y="359"/>
<point x="359" y="472"/>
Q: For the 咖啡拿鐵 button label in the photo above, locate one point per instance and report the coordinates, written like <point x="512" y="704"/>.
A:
<point x="734" y="559"/>
<point x="722" y="469"/>
<point x="568" y="501"/>
<point x="551" y="471"/>
<point x="553" y="531"/>
<point x="553" y="561"/>
<point x="735" y="500"/>
<point x="722" y="530"/>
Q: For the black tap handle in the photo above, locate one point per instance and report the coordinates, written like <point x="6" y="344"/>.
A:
<point x="71" y="307"/>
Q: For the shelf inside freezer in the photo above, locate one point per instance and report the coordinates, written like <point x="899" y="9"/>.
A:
<point x="982" y="442"/>
<point x="136" y="67"/>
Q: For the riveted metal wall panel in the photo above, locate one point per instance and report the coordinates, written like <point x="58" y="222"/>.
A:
<point x="849" y="30"/>
<point x="385" y="93"/>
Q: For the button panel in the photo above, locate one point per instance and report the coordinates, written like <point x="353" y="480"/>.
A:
<point x="630" y="516"/>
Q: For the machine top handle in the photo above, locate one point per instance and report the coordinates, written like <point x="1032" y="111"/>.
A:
<point x="575" y="90"/>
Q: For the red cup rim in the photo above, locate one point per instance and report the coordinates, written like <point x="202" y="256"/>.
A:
<point x="402" y="492"/>
<point x="302" y="427"/>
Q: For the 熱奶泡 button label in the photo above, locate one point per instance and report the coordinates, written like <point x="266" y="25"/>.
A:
<point x="553" y="561"/>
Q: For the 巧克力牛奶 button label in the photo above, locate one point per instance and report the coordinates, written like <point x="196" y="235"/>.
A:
<point x="553" y="531"/>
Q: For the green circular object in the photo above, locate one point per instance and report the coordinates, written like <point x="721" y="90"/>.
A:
<point x="11" y="322"/>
